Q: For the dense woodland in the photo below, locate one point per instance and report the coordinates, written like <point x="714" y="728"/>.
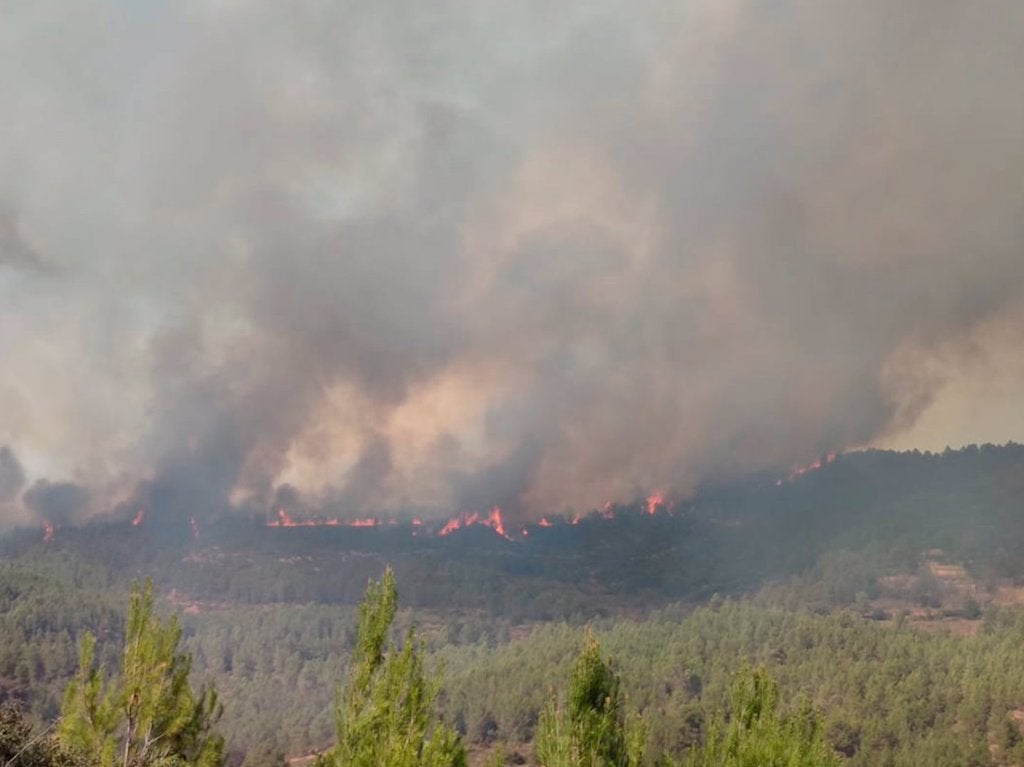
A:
<point x="879" y="592"/>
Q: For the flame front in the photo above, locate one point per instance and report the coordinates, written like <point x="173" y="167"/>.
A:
<point x="817" y="463"/>
<point x="493" y="520"/>
<point x="139" y="516"/>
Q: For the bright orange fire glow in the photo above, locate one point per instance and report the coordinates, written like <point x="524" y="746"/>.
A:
<point x="799" y="471"/>
<point x="492" y="520"/>
<point x="48" y="529"/>
<point x="139" y="516"/>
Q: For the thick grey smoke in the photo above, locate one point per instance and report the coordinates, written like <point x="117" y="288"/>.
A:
<point x="455" y="254"/>
<point x="59" y="503"/>
<point x="12" y="475"/>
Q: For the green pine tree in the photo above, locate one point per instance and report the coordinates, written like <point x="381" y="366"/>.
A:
<point x="385" y="713"/>
<point x="20" y="747"/>
<point x="148" y="715"/>
<point x="757" y="736"/>
<point x="590" y="730"/>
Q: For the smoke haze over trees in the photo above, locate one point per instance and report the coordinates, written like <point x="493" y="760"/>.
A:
<point x="450" y="256"/>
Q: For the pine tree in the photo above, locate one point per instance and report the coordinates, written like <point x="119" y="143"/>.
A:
<point x="757" y="736"/>
<point x="148" y="715"/>
<point x="20" y="746"/>
<point x="590" y="730"/>
<point x="385" y="713"/>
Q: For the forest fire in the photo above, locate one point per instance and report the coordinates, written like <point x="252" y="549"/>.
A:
<point x="654" y="502"/>
<point x="492" y="520"/>
<point x="139" y="516"/>
<point x="817" y="463"/>
<point x="48" y="530"/>
<point x="284" y="519"/>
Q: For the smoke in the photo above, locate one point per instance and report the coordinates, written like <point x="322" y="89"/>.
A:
<point x="59" y="503"/>
<point x="450" y="255"/>
<point x="12" y="475"/>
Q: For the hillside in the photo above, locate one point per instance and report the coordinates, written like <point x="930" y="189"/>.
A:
<point x="875" y="563"/>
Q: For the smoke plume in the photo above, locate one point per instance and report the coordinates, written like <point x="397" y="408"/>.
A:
<point x="456" y="254"/>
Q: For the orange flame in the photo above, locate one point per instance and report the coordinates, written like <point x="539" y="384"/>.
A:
<point x="817" y="463"/>
<point x="283" y="520"/>
<point x="492" y="520"/>
<point x="654" y="501"/>
<point x="544" y="522"/>
<point x="48" y="529"/>
<point x="457" y="523"/>
<point x="139" y="516"/>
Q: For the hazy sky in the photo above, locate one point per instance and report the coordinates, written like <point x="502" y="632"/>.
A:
<point x="459" y="253"/>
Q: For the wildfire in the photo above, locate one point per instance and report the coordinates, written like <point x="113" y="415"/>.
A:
<point x="139" y="516"/>
<point x="48" y="529"/>
<point x="492" y="520"/>
<point x="654" y="501"/>
<point x="284" y="519"/>
<point x="799" y="471"/>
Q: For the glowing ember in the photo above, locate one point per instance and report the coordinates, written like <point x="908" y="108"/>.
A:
<point x="48" y="529"/>
<point x="139" y="516"/>
<point x="654" y="501"/>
